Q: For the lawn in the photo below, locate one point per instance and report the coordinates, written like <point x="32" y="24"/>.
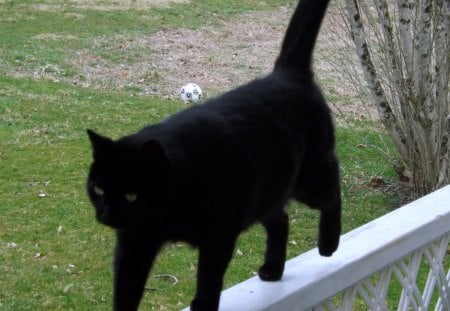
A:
<point x="52" y="252"/>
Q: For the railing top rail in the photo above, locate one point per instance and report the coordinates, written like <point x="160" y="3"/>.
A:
<point x="309" y="278"/>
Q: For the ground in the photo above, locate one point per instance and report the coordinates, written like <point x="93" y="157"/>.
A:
<point x="217" y="57"/>
<point x="104" y="5"/>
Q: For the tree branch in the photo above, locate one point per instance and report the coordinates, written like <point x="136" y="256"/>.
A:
<point x="387" y="116"/>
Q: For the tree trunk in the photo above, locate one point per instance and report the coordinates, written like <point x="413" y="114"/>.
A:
<point x="406" y="68"/>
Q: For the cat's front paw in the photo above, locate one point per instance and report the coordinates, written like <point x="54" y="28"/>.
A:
<point x="329" y="240"/>
<point x="328" y="246"/>
<point x="270" y="272"/>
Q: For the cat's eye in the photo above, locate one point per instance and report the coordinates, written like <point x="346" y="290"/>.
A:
<point x="131" y="197"/>
<point x="99" y="191"/>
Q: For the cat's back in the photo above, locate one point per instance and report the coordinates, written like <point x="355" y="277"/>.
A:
<point x="274" y="94"/>
<point x="278" y="101"/>
<point x="275" y="109"/>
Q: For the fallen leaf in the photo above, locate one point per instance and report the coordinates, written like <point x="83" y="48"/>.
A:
<point x="70" y="267"/>
<point x="170" y="277"/>
<point x="46" y="303"/>
<point x="67" y="288"/>
<point x="376" y="182"/>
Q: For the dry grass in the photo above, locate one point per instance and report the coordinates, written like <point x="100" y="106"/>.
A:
<point x="103" y="5"/>
<point x="218" y="57"/>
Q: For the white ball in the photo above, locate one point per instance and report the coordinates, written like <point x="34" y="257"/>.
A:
<point x="191" y="93"/>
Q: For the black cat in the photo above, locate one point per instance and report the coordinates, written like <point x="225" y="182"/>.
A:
<point x="209" y="172"/>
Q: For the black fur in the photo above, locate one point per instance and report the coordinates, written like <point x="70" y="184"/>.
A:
<point x="209" y="172"/>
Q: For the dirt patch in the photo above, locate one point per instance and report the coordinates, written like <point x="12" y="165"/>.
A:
<point x="54" y="36"/>
<point x="101" y="5"/>
<point x="125" y="4"/>
<point x="215" y="57"/>
<point x="218" y="57"/>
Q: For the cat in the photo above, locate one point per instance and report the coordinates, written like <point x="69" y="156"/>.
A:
<point x="209" y="172"/>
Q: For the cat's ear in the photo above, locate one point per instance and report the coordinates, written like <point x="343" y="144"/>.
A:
<point x="153" y="153"/>
<point x="100" y="144"/>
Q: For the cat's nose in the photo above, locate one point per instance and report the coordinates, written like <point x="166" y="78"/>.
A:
<point x="107" y="218"/>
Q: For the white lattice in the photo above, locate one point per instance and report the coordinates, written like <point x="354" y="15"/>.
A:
<point x="395" y="262"/>
<point x="373" y="293"/>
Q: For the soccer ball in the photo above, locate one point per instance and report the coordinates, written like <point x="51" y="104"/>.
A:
<point x="191" y="93"/>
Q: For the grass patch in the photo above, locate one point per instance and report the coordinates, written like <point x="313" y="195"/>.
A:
<point x="63" y="258"/>
<point x="33" y="36"/>
<point x="52" y="252"/>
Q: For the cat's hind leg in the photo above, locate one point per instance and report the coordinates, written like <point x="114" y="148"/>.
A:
<point x="277" y="229"/>
<point x="318" y="186"/>
<point x="330" y="227"/>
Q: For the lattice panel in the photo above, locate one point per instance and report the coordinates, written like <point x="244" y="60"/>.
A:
<point x="420" y="281"/>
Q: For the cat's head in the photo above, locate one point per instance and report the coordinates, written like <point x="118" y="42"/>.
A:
<point x="127" y="182"/>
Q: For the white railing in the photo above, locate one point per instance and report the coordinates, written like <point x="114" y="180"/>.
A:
<point x="394" y="262"/>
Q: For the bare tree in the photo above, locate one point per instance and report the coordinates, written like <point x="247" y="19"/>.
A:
<point x="403" y="47"/>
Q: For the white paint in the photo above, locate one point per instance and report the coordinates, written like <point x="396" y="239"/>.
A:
<point x="310" y="279"/>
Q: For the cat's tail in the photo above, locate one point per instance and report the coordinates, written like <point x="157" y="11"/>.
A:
<point x="298" y="45"/>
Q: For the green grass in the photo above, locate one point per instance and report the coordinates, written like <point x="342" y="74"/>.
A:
<point x="44" y="150"/>
<point x="62" y="260"/>
<point x="26" y="48"/>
